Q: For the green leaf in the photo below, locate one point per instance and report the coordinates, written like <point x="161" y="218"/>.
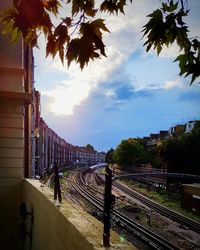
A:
<point x="169" y="7"/>
<point x="31" y="38"/>
<point x="16" y="35"/>
<point x="73" y="51"/>
<point x="182" y="59"/>
<point x="159" y="48"/>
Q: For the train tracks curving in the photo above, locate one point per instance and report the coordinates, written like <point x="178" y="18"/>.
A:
<point x="152" y="239"/>
<point x="193" y="225"/>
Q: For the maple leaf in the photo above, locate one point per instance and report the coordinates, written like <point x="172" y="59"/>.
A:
<point x="67" y="21"/>
<point x="73" y="50"/>
<point x="79" y="37"/>
<point x="99" y="24"/>
<point x="61" y="32"/>
<point x="52" y="6"/>
<point x="52" y="46"/>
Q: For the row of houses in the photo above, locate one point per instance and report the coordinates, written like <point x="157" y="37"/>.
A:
<point x="27" y="144"/>
<point x="179" y="129"/>
<point x="49" y="148"/>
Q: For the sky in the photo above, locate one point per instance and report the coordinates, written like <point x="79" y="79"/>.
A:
<point x="129" y="93"/>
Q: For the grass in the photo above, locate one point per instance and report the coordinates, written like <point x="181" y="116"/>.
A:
<point x="66" y="173"/>
<point x="164" y="198"/>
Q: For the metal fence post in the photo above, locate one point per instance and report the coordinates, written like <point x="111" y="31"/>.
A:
<point x="107" y="207"/>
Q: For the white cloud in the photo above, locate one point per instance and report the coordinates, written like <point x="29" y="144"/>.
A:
<point x="167" y="85"/>
<point x="170" y="52"/>
<point x="72" y="92"/>
<point x="173" y="84"/>
<point x="167" y="52"/>
<point x="110" y="93"/>
<point x="124" y="40"/>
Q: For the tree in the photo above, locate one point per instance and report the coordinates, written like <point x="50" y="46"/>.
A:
<point x="89" y="147"/>
<point x="152" y="156"/>
<point x="129" y="152"/>
<point x="181" y="154"/>
<point x="165" y="27"/>
<point x="78" y="36"/>
<point x="110" y="156"/>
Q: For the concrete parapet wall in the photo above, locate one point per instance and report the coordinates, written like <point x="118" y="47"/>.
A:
<point x="11" y="171"/>
<point x="64" y="227"/>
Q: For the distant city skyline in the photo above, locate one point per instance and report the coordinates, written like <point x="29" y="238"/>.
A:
<point x="130" y="93"/>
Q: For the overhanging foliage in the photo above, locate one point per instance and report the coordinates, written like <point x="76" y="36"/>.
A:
<point x="79" y="36"/>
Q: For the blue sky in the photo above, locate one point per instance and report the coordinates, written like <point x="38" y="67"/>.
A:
<point x="130" y="93"/>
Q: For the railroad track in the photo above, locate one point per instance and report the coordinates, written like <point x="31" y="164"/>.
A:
<point x="193" y="225"/>
<point x="146" y="235"/>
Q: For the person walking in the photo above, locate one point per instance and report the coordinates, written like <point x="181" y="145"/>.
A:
<point x="57" y="190"/>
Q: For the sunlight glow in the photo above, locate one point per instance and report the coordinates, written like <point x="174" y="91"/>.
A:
<point x="66" y="97"/>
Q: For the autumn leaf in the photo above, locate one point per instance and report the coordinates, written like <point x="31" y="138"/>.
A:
<point x="61" y="32"/>
<point x="73" y="50"/>
<point x="52" y="6"/>
<point x="79" y="35"/>
<point x="52" y="46"/>
<point x="99" y="24"/>
<point x="90" y="44"/>
<point x="67" y="21"/>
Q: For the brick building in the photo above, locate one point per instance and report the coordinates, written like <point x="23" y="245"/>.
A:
<point x="191" y="198"/>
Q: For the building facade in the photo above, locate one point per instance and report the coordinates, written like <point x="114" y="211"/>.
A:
<point x="191" y="198"/>
<point x="16" y="144"/>
<point x="51" y="149"/>
<point x="154" y="140"/>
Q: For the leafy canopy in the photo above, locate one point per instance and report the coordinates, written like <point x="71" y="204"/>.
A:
<point x="110" y="156"/>
<point x="181" y="154"/>
<point x="79" y="36"/>
<point x="166" y="26"/>
<point x="129" y="152"/>
<point x="89" y="147"/>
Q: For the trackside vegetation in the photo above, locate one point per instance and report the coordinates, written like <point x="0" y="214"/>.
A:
<point x="177" y="154"/>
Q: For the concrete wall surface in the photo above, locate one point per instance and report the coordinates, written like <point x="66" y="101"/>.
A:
<point x="62" y="227"/>
<point x="11" y="172"/>
<point x="11" y="139"/>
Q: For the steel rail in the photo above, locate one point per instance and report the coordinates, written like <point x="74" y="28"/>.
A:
<point x="195" y="226"/>
<point x="151" y="238"/>
<point x="191" y="224"/>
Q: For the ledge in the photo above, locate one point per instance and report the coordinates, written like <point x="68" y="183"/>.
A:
<point x="12" y="70"/>
<point x="16" y="96"/>
<point x="64" y="227"/>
